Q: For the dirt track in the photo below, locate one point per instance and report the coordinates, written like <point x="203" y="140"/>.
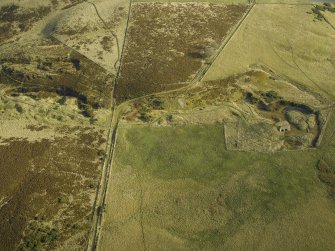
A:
<point x="112" y="134"/>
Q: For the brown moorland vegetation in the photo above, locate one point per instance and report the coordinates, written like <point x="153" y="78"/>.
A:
<point x="15" y="19"/>
<point x="47" y="189"/>
<point x="168" y="43"/>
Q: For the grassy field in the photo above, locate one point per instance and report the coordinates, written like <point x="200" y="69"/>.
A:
<point x="177" y="188"/>
<point x="286" y="39"/>
<point x="330" y="17"/>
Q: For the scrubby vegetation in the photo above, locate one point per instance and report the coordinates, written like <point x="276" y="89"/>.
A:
<point x="318" y="9"/>
<point x="14" y="18"/>
<point x="38" y="238"/>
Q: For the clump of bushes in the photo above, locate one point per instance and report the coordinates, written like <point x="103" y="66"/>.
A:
<point x="101" y="154"/>
<point x="44" y="66"/>
<point x="76" y="63"/>
<point x="157" y="104"/>
<point x="62" y="100"/>
<point x="61" y="199"/>
<point x="101" y="209"/>
<point x="250" y="98"/>
<point x="318" y="9"/>
<point x="169" y="117"/>
<point x="87" y="111"/>
<point x="39" y="237"/>
<point x="106" y="43"/>
<point x="144" y="117"/>
<point x="18" y="108"/>
<point x="270" y="96"/>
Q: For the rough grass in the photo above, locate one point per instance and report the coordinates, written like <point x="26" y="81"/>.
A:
<point x="178" y="188"/>
<point x="286" y="39"/>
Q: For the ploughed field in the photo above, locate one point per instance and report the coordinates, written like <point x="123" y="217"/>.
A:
<point x="167" y="43"/>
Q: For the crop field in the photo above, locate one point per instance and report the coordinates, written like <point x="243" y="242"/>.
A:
<point x="163" y="52"/>
<point x="286" y="39"/>
<point x="184" y="191"/>
<point x="47" y="199"/>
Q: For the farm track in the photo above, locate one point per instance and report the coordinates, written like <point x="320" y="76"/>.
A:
<point x="204" y="69"/>
<point x="101" y="193"/>
<point x="112" y="134"/>
<point x="113" y="33"/>
<point x="116" y="113"/>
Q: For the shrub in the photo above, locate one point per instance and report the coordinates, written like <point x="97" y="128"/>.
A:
<point x="61" y="200"/>
<point x="18" y="108"/>
<point x="271" y="95"/>
<point x="250" y="98"/>
<point x="88" y="111"/>
<point x="157" y="104"/>
<point x="76" y="63"/>
<point x="169" y="117"/>
<point x="144" y="117"/>
<point x="62" y="100"/>
<point x="101" y="209"/>
<point x="39" y="236"/>
<point x="101" y="154"/>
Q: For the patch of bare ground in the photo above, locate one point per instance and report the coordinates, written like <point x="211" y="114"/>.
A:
<point x="47" y="189"/>
<point x="167" y="43"/>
